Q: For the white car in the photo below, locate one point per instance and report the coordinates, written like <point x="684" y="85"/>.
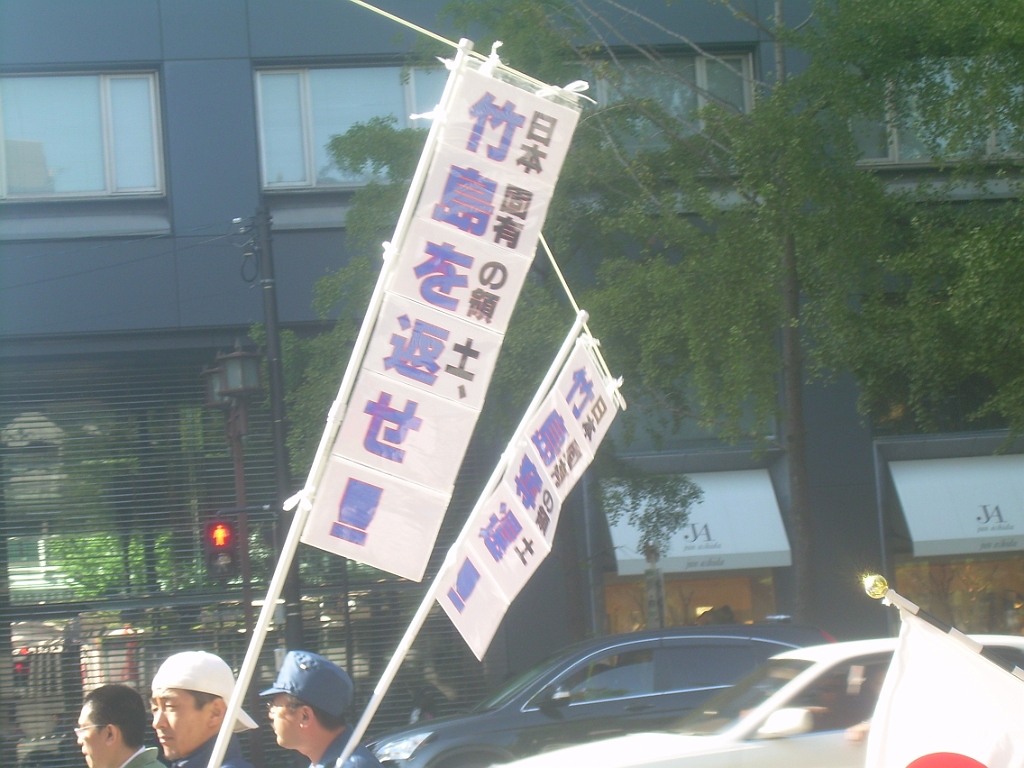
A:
<point x="794" y="710"/>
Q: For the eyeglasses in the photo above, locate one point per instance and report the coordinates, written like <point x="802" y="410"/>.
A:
<point x="289" y="705"/>
<point x="80" y="730"/>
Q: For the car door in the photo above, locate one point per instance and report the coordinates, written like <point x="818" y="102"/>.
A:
<point x="600" y="696"/>
<point x="842" y="697"/>
<point x="689" y="671"/>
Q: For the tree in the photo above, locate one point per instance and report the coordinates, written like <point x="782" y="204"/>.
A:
<point x="936" y="340"/>
<point x="759" y="252"/>
<point x="749" y="227"/>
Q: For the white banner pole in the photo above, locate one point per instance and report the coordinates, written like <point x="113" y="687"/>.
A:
<point x="334" y="417"/>
<point x="420" y="616"/>
<point x="259" y="634"/>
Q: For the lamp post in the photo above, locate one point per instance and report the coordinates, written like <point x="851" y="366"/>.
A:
<point x="230" y="385"/>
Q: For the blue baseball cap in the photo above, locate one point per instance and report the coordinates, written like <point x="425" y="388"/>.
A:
<point x="315" y="680"/>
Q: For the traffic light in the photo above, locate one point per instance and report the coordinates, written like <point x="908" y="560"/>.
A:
<point x="220" y="543"/>
<point x="22" y="667"/>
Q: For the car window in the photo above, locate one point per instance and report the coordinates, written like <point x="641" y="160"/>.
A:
<point x="725" y="708"/>
<point x="516" y="685"/>
<point x="846" y="694"/>
<point x="614" y="676"/>
<point x="1007" y="653"/>
<point x="701" y="665"/>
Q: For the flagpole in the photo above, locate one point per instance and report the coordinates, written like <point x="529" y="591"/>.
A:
<point x="304" y="499"/>
<point x="405" y="644"/>
<point x="877" y="587"/>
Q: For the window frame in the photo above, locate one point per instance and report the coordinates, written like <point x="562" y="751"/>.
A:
<point x="407" y="80"/>
<point x="605" y="91"/>
<point x="895" y="135"/>
<point x="107" y="148"/>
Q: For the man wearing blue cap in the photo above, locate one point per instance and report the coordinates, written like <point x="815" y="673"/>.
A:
<point x="310" y="696"/>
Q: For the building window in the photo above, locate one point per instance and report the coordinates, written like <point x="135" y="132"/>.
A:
<point x="923" y="102"/>
<point x="884" y="142"/>
<point x="79" y="136"/>
<point x="681" y="86"/>
<point x="300" y="110"/>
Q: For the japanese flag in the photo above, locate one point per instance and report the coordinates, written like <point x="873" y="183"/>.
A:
<point x="943" y="705"/>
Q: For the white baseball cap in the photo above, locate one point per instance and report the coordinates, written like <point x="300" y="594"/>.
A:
<point x="203" y="672"/>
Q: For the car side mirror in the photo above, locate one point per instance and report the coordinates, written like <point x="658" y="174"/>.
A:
<point x="789" y="721"/>
<point x="555" y="696"/>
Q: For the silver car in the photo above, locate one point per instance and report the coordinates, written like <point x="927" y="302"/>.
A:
<point x="806" y="707"/>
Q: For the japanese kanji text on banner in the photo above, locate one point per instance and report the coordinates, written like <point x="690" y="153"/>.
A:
<point x="512" y="530"/>
<point x="453" y="277"/>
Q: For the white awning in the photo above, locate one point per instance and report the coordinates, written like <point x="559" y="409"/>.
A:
<point x="736" y="525"/>
<point x="962" y="506"/>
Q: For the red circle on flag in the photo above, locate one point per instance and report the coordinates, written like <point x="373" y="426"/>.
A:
<point x="945" y="760"/>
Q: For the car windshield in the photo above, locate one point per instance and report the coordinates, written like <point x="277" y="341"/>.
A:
<point x="721" y="711"/>
<point x="513" y="687"/>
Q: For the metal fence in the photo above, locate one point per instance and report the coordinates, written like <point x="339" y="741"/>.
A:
<point x="108" y="472"/>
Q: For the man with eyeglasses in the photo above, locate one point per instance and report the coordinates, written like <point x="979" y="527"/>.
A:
<point x="111" y="727"/>
<point x="309" y="699"/>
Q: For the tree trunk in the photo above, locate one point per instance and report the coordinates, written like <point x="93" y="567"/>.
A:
<point x="794" y="441"/>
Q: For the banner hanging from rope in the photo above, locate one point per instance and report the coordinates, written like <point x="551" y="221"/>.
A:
<point x="454" y="271"/>
<point x="512" y="530"/>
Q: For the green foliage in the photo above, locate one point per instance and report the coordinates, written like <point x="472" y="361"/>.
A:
<point x="536" y="35"/>
<point x="672" y="224"/>
<point x="951" y="69"/>
<point x="654" y="505"/>
<point x="934" y="337"/>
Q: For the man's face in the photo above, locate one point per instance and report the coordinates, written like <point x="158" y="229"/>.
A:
<point x="182" y="727"/>
<point x="285" y="718"/>
<point x="97" y="740"/>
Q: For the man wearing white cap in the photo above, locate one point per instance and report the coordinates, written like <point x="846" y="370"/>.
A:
<point x="190" y="693"/>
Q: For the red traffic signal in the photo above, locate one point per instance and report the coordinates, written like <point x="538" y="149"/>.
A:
<point x="220" y="544"/>
<point x="22" y="668"/>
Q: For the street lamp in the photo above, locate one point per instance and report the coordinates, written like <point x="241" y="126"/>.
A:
<point x="231" y="384"/>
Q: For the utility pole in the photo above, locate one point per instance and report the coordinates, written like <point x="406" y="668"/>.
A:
<point x="282" y="474"/>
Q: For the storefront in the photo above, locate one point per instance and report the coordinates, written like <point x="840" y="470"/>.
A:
<point x="721" y="559"/>
<point x="954" y="528"/>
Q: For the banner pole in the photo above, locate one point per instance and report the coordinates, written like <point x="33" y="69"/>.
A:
<point x="305" y="497"/>
<point x="420" y="616"/>
<point x="259" y="634"/>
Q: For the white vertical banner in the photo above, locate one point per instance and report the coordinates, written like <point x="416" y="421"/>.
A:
<point x="454" y="275"/>
<point x="512" y="528"/>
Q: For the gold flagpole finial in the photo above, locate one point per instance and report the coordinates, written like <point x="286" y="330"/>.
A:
<point x="875" y="585"/>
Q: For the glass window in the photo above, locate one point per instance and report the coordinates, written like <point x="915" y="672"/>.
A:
<point x="301" y="110"/>
<point x="845" y="695"/>
<point x="680" y="86"/>
<point x="615" y="676"/>
<point x="79" y="135"/>
<point x="724" y="709"/>
<point x="695" y="665"/>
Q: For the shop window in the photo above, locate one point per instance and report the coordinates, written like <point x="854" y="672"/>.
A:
<point x="79" y="136"/>
<point x="749" y="598"/>
<point x="300" y="110"/>
<point x="973" y="594"/>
